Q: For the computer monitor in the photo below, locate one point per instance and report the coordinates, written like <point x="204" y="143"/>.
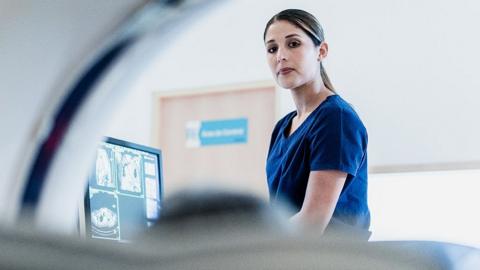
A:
<point x="124" y="191"/>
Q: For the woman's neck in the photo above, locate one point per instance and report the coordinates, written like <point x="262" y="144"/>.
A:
<point x="307" y="97"/>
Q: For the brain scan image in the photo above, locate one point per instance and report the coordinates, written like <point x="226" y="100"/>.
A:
<point x="130" y="173"/>
<point x="104" y="215"/>
<point x="104" y="218"/>
<point x="103" y="169"/>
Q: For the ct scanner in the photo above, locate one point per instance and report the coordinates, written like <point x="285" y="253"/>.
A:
<point x="61" y="113"/>
<point x="91" y="51"/>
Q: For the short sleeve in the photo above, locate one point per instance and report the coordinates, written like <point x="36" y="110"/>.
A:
<point x="338" y="141"/>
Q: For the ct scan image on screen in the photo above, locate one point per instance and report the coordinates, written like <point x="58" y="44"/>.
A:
<point x="124" y="191"/>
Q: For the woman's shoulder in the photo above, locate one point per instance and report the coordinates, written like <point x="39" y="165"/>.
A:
<point x="336" y="103"/>
<point x="338" y="109"/>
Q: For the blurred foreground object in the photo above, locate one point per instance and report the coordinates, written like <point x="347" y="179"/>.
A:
<point x="224" y="230"/>
<point x="67" y="67"/>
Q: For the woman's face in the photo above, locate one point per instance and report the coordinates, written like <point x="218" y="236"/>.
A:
<point x="292" y="56"/>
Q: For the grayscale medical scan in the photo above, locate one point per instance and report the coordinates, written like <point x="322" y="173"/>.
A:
<point x="228" y="134"/>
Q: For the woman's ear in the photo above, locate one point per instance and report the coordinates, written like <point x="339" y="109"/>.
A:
<point x="322" y="51"/>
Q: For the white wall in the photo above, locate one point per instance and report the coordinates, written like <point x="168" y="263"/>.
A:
<point x="435" y="206"/>
<point x="408" y="67"/>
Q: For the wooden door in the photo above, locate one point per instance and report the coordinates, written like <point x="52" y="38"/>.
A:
<point x="236" y="166"/>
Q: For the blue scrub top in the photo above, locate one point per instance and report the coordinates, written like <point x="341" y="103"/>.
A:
<point x="331" y="138"/>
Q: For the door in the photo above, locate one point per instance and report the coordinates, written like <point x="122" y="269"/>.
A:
<point x="237" y="165"/>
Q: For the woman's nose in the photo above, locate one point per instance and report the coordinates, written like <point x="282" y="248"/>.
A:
<point x="281" y="55"/>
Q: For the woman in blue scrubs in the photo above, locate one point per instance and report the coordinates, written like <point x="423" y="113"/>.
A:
<point x="317" y="160"/>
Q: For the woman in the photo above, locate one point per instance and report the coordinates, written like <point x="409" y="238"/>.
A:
<point x="317" y="160"/>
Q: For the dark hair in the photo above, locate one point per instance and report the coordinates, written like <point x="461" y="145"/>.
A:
<point x="310" y="25"/>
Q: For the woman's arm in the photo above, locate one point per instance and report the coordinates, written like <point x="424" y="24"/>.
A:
<point x="321" y="196"/>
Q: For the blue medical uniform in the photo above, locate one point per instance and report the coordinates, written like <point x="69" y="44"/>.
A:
<point x="331" y="138"/>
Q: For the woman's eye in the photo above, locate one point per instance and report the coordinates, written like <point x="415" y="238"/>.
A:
<point x="294" y="44"/>
<point x="272" y="49"/>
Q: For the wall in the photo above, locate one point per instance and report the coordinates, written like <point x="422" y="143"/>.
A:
<point x="426" y="206"/>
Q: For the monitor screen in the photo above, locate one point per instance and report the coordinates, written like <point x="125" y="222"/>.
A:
<point x="124" y="190"/>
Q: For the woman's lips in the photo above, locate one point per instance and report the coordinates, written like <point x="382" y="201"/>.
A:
<point x="285" y="71"/>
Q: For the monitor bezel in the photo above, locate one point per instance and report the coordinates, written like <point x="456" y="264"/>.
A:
<point x="84" y="209"/>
